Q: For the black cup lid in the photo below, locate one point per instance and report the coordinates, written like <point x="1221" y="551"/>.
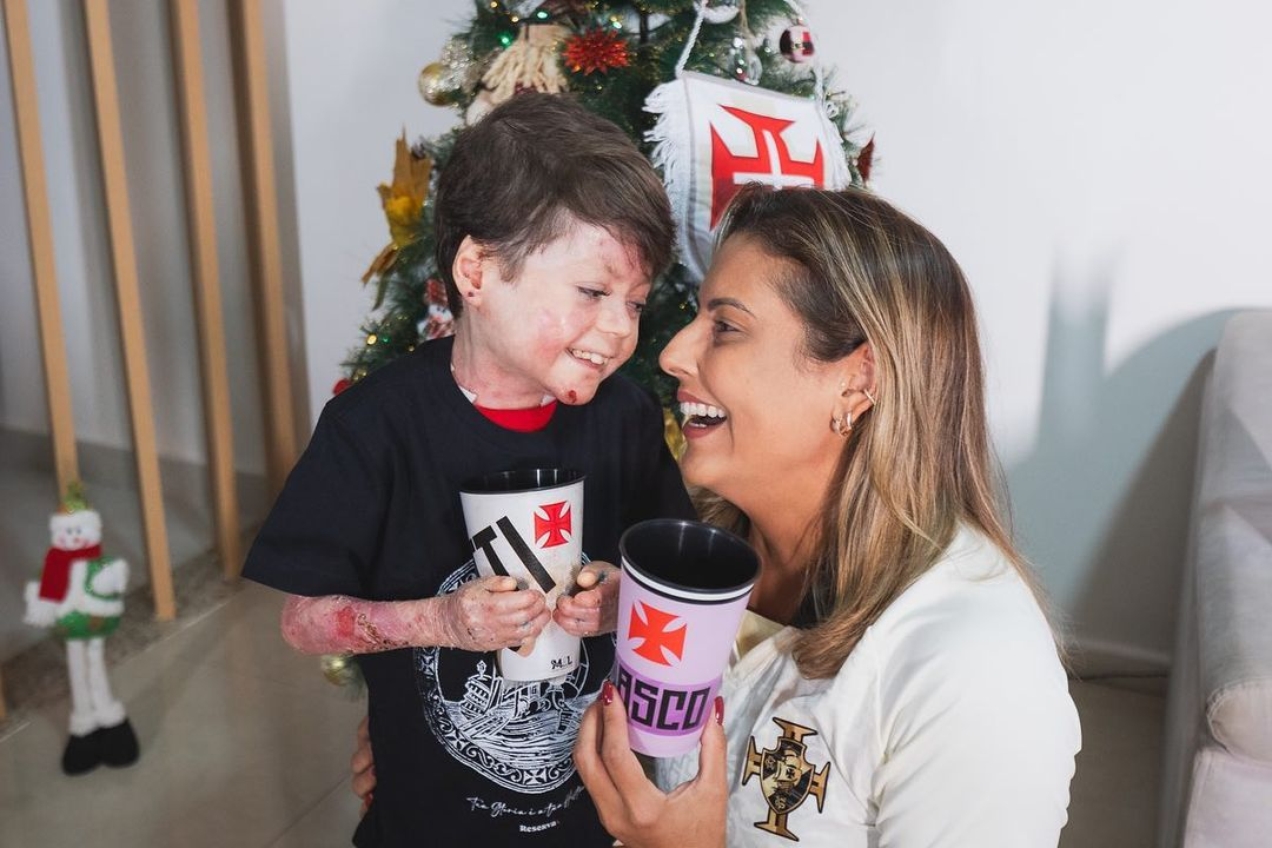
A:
<point x="520" y="480"/>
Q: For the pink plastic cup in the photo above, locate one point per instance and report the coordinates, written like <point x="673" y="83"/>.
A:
<point x="683" y="590"/>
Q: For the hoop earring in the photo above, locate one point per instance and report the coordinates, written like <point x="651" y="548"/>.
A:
<point x="841" y="425"/>
<point x="870" y="397"/>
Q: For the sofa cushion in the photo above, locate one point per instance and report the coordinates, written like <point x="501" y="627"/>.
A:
<point x="1234" y="612"/>
<point x="1228" y="807"/>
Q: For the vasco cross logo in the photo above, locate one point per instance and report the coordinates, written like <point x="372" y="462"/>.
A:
<point x="786" y="777"/>
<point x="553" y="521"/>
<point x="772" y="163"/>
<point x="659" y="643"/>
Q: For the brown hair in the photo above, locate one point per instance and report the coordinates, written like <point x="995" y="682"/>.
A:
<point x="919" y="462"/>
<point x="535" y="165"/>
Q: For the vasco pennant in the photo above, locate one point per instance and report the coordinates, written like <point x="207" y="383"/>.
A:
<point x="713" y="136"/>
<point x="787" y="778"/>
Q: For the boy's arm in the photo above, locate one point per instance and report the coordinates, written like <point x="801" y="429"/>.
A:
<point x="482" y="615"/>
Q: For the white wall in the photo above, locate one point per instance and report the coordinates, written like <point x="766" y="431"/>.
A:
<point x="1098" y="169"/>
<point x="354" y="67"/>
<point x="140" y="35"/>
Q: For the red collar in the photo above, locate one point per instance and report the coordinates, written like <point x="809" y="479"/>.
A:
<point x="520" y="420"/>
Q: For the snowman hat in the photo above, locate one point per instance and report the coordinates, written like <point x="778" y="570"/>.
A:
<point x="74" y="500"/>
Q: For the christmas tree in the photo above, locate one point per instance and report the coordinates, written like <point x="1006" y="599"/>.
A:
<point x="611" y="56"/>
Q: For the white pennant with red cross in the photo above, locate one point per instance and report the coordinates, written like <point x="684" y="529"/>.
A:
<point x="713" y="136"/>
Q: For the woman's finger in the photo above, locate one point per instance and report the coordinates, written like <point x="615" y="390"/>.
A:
<point x="592" y="769"/>
<point x="363" y="782"/>
<point x="712" y="754"/>
<point x="624" y="769"/>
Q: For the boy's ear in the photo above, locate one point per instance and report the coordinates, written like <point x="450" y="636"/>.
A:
<point x="467" y="270"/>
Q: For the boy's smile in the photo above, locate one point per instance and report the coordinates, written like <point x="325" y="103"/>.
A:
<point x="559" y="327"/>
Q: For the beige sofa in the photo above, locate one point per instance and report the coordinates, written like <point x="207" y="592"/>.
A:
<point x="1217" y="782"/>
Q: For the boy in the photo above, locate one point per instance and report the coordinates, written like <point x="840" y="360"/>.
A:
<point x="550" y="226"/>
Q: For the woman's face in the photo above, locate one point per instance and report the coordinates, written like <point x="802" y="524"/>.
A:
<point x="756" y="409"/>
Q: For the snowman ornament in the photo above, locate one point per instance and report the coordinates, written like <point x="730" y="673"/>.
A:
<point x="80" y="596"/>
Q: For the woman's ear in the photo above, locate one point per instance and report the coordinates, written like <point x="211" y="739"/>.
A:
<point x="467" y="270"/>
<point x="860" y="381"/>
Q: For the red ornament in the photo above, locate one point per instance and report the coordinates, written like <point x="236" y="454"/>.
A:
<point x="796" y="44"/>
<point x="439" y="321"/>
<point x="596" y="50"/>
<point x="341" y="384"/>
<point x="865" y="160"/>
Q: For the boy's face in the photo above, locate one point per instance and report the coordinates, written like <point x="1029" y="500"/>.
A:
<point x="567" y="321"/>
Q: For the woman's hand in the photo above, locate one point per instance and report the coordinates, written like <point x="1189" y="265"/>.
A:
<point x="637" y="812"/>
<point x="363" y="766"/>
<point x="491" y="613"/>
<point x="593" y="609"/>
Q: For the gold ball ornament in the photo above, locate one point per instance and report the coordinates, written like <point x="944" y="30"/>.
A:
<point x="435" y="86"/>
<point x="341" y="670"/>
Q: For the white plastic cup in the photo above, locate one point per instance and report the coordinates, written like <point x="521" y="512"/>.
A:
<point x="528" y="524"/>
<point x="684" y="588"/>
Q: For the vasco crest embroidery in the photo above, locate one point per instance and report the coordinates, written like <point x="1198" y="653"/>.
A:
<point x="787" y="778"/>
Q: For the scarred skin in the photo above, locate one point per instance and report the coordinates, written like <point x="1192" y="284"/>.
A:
<point x="483" y="615"/>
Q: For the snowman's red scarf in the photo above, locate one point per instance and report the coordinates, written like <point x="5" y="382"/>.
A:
<point x="57" y="570"/>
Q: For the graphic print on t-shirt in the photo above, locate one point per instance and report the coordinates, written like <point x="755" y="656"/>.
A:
<point x="517" y="735"/>
<point x="787" y="778"/>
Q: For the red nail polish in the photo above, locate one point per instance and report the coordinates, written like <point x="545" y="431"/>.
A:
<point x="719" y="711"/>
<point x="607" y="693"/>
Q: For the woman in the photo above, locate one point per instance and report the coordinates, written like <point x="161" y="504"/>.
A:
<point x="912" y="694"/>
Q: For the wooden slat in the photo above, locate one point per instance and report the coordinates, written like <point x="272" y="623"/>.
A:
<point x="57" y="384"/>
<point x="263" y="233"/>
<point x="40" y="231"/>
<point x="131" y="330"/>
<point x="201" y="218"/>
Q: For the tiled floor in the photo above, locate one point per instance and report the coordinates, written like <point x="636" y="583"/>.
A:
<point x="245" y="744"/>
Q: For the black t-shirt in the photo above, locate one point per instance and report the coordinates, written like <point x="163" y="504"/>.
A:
<point x="372" y="510"/>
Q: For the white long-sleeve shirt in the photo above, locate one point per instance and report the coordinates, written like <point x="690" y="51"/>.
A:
<point x="950" y="724"/>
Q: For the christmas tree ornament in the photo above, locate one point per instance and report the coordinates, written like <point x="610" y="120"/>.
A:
<point x="403" y="204"/>
<point x="595" y="50"/>
<point x="482" y="103"/>
<point x="865" y="160"/>
<point x="460" y="70"/>
<point x="435" y="86"/>
<point x="80" y="596"/>
<point x="438" y="320"/>
<point x="721" y="11"/>
<point x="796" y="44"/>
<point x="742" y="62"/>
<point x="530" y="62"/>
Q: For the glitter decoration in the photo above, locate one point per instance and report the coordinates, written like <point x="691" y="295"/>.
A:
<point x="742" y="62"/>
<point x="596" y="50"/>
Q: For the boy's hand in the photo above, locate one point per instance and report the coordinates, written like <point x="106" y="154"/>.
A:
<point x="491" y="613"/>
<point x="593" y="607"/>
<point x="362" y="765"/>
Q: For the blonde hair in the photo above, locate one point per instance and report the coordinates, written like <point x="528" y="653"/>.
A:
<point x="919" y="462"/>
